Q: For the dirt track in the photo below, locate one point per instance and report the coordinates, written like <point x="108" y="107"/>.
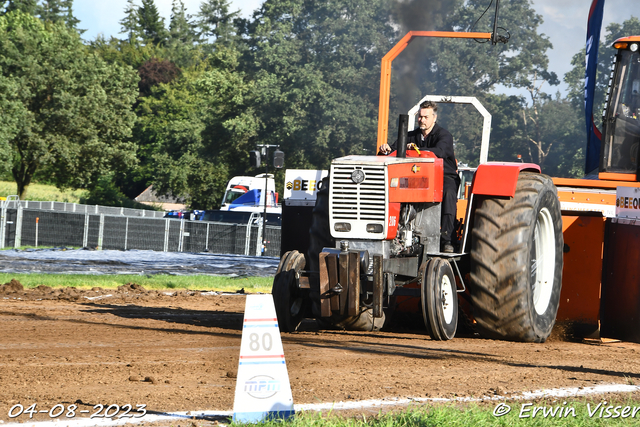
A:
<point x="180" y="352"/>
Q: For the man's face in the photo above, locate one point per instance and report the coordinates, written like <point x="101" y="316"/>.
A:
<point x="427" y="118"/>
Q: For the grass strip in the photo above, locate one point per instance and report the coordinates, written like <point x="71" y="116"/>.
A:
<point x="156" y="281"/>
<point x="588" y="413"/>
<point x="43" y="192"/>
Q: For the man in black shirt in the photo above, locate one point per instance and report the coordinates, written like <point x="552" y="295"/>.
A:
<point x="433" y="137"/>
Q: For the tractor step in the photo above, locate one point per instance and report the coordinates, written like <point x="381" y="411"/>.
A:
<point x="456" y="256"/>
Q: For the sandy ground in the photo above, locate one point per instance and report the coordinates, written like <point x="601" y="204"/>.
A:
<point x="180" y="352"/>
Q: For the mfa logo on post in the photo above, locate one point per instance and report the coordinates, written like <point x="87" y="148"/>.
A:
<point x="256" y="306"/>
<point x="262" y="387"/>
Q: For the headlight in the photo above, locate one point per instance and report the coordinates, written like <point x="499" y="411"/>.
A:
<point x="342" y="227"/>
<point x="374" y="228"/>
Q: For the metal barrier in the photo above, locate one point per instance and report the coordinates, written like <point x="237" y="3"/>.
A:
<point x="12" y="202"/>
<point x="21" y="226"/>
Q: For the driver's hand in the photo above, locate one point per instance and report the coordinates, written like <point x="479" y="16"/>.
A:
<point x="385" y="149"/>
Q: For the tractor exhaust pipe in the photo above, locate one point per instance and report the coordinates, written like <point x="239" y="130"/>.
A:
<point x="403" y="128"/>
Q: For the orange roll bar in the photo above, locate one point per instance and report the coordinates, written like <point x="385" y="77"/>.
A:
<point x="385" y="72"/>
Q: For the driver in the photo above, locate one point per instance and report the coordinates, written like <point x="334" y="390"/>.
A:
<point x="432" y="137"/>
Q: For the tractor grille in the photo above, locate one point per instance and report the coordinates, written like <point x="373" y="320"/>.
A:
<point x="364" y="201"/>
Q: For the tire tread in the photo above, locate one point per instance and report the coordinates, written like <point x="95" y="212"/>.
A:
<point x="499" y="278"/>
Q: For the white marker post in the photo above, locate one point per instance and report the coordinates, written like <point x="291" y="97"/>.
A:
<point x="263" y="391"/>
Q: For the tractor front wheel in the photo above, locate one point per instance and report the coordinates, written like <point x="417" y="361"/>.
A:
<point x="439" y="299"/>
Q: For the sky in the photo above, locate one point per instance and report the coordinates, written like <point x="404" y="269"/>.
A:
<point x="565" y="22"/>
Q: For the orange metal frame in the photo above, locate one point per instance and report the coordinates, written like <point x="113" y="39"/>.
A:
<point x="584" y="237"/>
<point x="612" y="176"/>
<point x="628" y="39"/>
<point x="593" y="183"/>
<point x="385" y="72"/>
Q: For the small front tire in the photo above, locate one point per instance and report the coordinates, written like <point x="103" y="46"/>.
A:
<point x="439" y="300"/>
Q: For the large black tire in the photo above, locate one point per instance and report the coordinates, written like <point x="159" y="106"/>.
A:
<point x="439" y="300"/>
<point x="319" y="237"/>
<point x="290" y="303"/>
<point x="516" y="262"/>
<point x="319" y="233"/>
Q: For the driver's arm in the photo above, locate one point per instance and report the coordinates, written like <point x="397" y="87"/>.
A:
<point x="386" y="148"/>
<point x="443" y="147"/>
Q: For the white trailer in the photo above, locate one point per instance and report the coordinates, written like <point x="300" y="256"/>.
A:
<point x="246" y="194"/>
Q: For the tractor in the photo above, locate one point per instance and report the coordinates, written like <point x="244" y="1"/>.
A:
<point x="374" y="239"/>
<point x="532" y="249"/>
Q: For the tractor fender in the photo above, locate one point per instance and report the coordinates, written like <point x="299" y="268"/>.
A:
<point x="499" y="178"/>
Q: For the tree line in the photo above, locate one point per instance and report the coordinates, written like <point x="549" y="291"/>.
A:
<point x="179" y="104"/>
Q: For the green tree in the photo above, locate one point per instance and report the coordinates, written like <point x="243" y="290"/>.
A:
<point x="539" y="147"/>
<point x="50" y="10"/>
<point x="25" y="6"/>
<point x="105" y="192"/>
<point x="216" y="22"/>
<point x="441" y="66"/>
<point x="182" y="46"/>
<point x="58" y="11"/>
<point x="508" y="138"/>
<point x="181" y="27"/>
<point x="547" y="131"/>
<point x="151" y="23"/>
<point x="69" y="18"/>
<point x="317" y="67"/>
<point x="47" y="10"/>
<point x="467" y="66"/>
<point x="12" y="114"/>
<point x="75" y="109"/>
<point x="563" y="128"/>
<point x="156" y="63"/>
<point x="195" y="131"/>
<point x="131" y="181"/>
<point x="129" y="24"/>
<point x="575" y="77"/>
<point x="124" y="52"/>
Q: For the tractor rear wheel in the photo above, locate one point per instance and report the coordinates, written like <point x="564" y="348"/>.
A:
<point x="290" y="303"/>
<point x="319" y="238"/>
<point x="516" y="262"/>
<point x="439" y="300"/>
<point x="320" y="232"/>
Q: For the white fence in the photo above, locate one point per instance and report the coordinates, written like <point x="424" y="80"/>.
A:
<point x="102" y="228"/>
<point x="79" y="208"/>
